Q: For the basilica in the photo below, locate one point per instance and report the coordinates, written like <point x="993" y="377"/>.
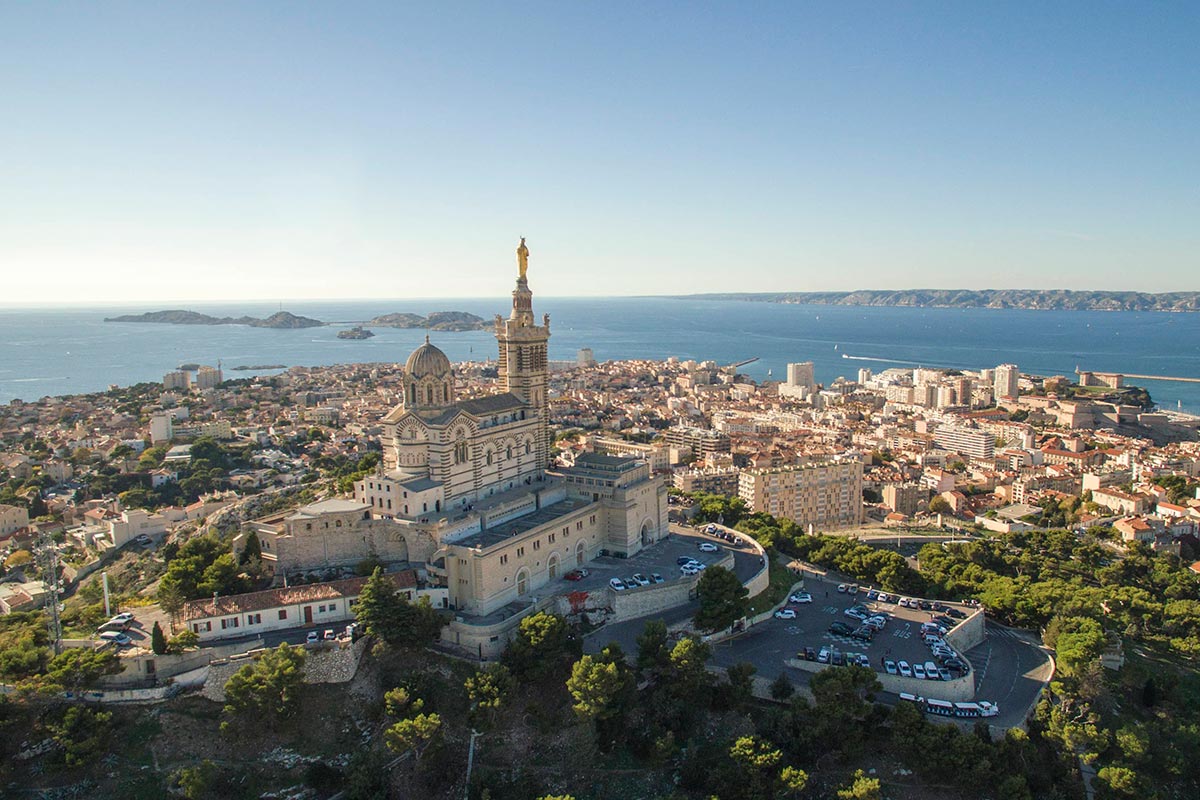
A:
<point x="468" y="488"/>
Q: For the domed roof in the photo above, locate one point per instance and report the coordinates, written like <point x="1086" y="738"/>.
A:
<point x="426" y="361"/>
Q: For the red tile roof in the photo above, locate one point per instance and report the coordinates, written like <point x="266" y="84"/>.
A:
<point x="287" y="596"/>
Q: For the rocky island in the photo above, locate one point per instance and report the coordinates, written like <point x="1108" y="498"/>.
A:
<point x="280" y="319"/>
<point x="357" y="332"/>
<point x="1037" y="299"/>
<point x="437" y="321"/>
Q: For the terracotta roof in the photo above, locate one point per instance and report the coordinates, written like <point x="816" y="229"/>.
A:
<point x="287" y="596"/>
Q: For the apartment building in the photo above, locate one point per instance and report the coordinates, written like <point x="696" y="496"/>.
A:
<point x="825" y="494"/>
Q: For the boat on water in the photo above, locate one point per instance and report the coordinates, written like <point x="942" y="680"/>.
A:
<point x="357" y="332"/>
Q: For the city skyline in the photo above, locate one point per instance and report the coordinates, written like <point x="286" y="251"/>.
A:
<point x="264" y="152"/>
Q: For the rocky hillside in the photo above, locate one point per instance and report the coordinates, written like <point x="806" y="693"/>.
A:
<point x="280" y="319"/>
<point x="1060" y="299"/>
<point x="437" y="321"/>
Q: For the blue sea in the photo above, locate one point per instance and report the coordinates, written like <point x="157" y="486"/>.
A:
<point x="53" y="351"/>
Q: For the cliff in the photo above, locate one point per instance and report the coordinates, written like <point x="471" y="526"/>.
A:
<point x="1046" y="299"/>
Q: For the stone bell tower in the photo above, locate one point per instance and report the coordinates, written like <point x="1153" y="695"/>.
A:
<point x="524" y="369"/>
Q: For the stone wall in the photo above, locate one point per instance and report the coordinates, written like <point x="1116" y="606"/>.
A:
<point x="644" y="600"/>
<point x="959" y="690"/>
<point x="324" y="664"/>
<point x="968" y="633"/>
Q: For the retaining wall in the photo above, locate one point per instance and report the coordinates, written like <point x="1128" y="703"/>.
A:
<point x="968" y="633"/>
<point x="959" y="690"/>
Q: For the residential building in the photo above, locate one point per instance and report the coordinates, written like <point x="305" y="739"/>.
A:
<point x="1005" y="385"/>
<point x="12" y="519"/>
<point x="968" y="441"/>
<point x="824" y="494"/>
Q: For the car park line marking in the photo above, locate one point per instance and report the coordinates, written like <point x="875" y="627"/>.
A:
<point x="830" y="609"/>
<point x="794" y="629"/>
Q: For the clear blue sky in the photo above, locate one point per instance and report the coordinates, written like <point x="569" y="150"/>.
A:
<point x="214" y="150"/>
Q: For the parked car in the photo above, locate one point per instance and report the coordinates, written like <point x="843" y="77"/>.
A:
<point x="115" y="638"/>
<point x="944" y="674"/>
<point x="785" y="613"/>
<point x="313" y="637"/>
<point x="874" y="623"/>
<point x="838" y="659"/>
<point x="904" y="668"/>
<point x="684" y="560"/>
<point x="889" y="667"/>
<point x="841" y="629"/>
<point x="937" y="606"/>
<point x="800" y="598"/>
<point x="689" y="569"/>
<point x="329" y="635"/>
<point x="956" y="664"/>
<point x="655" y="577"/>
<point x="884" y="597"/>
<point x="617" y="584"/>
<point x="143" y="540"/>
<point x="918" y="671"/>
<point x="855" y="613"/>
<point x="121" y="622"/>
<point x="954" y="612"/>
<point x="809" y="654"/>
<point x="902" y="602"/>
<point x="872" y="594"/>
<point x="858" y="659"/>
<point x="576" y="574"/>
<point x="640" y="579"/>
<point x="931" y="670"/>
<point x="708" y="547"/>
<point x="852" y="588"/>
<point x="842" y="588"/>
<point x="924" y="605"/>
<point x="863" y="633"/>
<point x="824" y="655"/>
<point x="630" y="583"/>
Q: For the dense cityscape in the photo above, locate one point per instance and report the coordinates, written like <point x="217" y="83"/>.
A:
<point x="634" y="534"/>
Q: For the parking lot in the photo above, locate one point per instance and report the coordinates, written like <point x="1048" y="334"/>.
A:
<point x="769" y="644"/>
<point x="661" y="559"/>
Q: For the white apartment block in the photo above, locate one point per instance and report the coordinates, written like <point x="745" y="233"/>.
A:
<point x="825" y="494"/>
<point x="1006" y="381"/>
<point x="968" y="441"/>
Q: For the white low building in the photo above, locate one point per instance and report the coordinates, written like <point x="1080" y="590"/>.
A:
<point x="291" y="607"/>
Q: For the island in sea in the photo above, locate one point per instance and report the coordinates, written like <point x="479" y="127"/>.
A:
<point x="1038" y="299"/>
<point x="357" y="332"/>
<point x="280" y="319"/>
<point x="437" y="321"/>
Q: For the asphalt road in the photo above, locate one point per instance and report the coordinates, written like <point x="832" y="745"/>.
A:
<point x="1011" y="669"/>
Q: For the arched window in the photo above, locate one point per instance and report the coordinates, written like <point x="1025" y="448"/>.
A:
<point x="429" y="395"/>
<point x="489" y="458"/>
<point x="508" y="452"/>
<point x="527" y="448"/>
<point x="552" y="566"/>
<point x="522" y="582"/>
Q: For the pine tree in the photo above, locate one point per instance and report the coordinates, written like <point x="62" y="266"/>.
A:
<point x="158" y="641"/>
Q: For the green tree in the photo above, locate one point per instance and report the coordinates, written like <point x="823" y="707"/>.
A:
<point x="488" y="690"/>
<point x="939" y="505"/>
<point x="863" y="787"/>
<point x="158" y="640"/>
<point x="81" y="732"/>
<point x="414" y="734"/>
<point x="689" y="677"/>
<point x="740" y="678"/>
<point x="400" y="703"/>
<point x="595" y="687"/>
<point x="782" y="688"/>
<point x="542" y="648"/>
<point x="722" y="599"/>
<point x="1120" y="780"/>
<point x="654" y="651"/>
<point x="73" y="670"/>
<point x="252" y="550"/>
<point x="267" y="689"/>
<point x="183" y="640"/>
<point x="385" y="613"/>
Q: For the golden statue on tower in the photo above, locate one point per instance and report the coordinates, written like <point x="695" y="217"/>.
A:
<point x="522" y="259"/>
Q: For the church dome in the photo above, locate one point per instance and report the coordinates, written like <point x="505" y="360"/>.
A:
<point x="427" y="361"/>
